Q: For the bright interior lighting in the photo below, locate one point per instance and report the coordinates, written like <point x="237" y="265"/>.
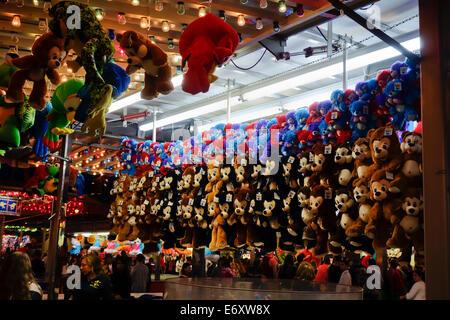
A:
<point x="213" y="107"/>
<point x="334" y="69"/>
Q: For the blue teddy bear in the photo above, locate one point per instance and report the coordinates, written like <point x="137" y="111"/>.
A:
<point x="301" y="115"/>
<point x="400" y="104"/>
<point x="360" y="122"/>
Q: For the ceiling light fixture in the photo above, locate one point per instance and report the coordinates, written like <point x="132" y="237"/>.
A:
<point x="144" y="23"/>
<point x="201" y="11"/>
<point x="181" y="9"/>
<point x="159" y="6"/>
<point x="282" y="6"/>
<point x="241" y="20"/>
<point x="259" y="24"/>
<point x="165" y="26"/>
<point x="16" y="21"/>
<point x="263" y="4"/>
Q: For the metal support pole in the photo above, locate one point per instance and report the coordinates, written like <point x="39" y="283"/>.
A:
<point x="54" y="219"/>
<point x="2" y="227"/>
<point x="154" y="124"/>
<point x="330" y="38"/>
<point x="344" y="66"/>
<point x="228" y="100"/>
<point x="377" y="32"/>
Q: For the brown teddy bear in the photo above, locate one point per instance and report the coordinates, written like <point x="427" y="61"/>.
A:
<point x="410" y="174"/>
<point x="142" y="53"/>
<point x="214" y="182"/>
<point x="361" y="194"/>
<point x="48" y="54"/>
<point x="385" y="150"/>
<point x="409" y="230"/>
<point x="363" y="159"/>
<point x="243" y="219"/>
<point x="322" y="165"/>
<point x="385" y="211"/>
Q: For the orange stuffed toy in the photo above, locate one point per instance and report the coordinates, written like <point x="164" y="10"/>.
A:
<point x="142" y="53"/>
<point x="47" y="55"/>
<point x="206" y="43"/>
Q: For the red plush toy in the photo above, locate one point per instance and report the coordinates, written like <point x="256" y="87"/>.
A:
<point x="206" y="43"/>
<point x="48" y="54"/>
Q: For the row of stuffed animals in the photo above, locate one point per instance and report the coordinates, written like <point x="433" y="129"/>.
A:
<point x="392" y="97"/>
<point x="206" y="43"/>
<point x="359" y="196"/>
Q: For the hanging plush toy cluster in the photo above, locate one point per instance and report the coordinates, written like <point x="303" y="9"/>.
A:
<point x="349" y="178"/>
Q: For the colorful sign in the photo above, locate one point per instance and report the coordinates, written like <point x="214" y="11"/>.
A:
<point x="8" y="206"/>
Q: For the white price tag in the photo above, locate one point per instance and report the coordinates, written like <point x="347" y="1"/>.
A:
<point x="311" y="157"/>
<point x="403" y="70"/>
<point x="146" y="202"/>
<point x="259" y="196"/>
<point x="291" y="194"/>
<point x="328" y="149"/>
<point x="229" y="198"/>
<point x="123" y="178"/>
<point x="398" y="86"/>
<point x="170" y="203"/>
<point x="243" y="162"/>
<point x="247" y="197"/>
<point x="389" y="175"/>
<point x="120" y="202"/>
<point x="151" y="174"/>
<point x="291" y="159"/>
<point x="334" y="115"/>
<point x="328" y="194"/>
<point x="202" y="202"/>
<point x="216" y="200"/>
<point x="191" y="202"/>
<point x="388" y="131"/>
<point x="157" y="179"/>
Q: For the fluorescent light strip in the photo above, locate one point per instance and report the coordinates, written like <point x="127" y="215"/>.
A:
<point x="136" y="97"/>
<point x="334" y="69"/>
<point x="213" y="107"/>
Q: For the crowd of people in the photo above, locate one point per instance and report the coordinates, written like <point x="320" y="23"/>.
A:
<point x="23" y="276"/>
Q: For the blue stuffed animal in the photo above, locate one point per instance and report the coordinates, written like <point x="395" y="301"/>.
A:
<point x="301" y="115"/>
<point x="38" y="130"/>
<point x="290" y="143"/>
<point x="369" y="90"/>
<point x="400" y="104"/>
<point x="361" y="121"/>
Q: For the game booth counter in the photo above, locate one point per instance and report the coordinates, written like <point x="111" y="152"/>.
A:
<point x="240" y="127"/>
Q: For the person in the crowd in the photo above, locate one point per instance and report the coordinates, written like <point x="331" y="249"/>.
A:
<point x="37" y="265"/>
<point x="253" y="269"/>
<point x="151" y="266"/>
<point x="321" y="275"/>
<point x="108" y="264"/>
<point x="17" y="281"/>
<point x="179" y="265"/>
<point x="396" y="285"/>
<point x="345" y="278"/>
<point x="186" y="270"/>
<point x="305" y="272"/>
<point x="227" y="260"/>
<point x="417" y="291"/>
<point x="213" y="270"/>
<point x="269" y="269"/>
<point x="287" y="269"/>
<point x="225" y="268"/>
<point x="237" y="267"/>
<point x="140" y="276"/>
<point x="300" y="258"/>
<point x="334" y="270"/>
<point x="121" y="278"/>
<point x="95" y="285"/>
<point x="407" y="273"/>
<point x="357" y="272"/>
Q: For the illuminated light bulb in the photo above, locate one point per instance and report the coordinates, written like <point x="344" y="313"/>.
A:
<point x="165" y="26"/>
<point x="201" y="11"/>
<point x="63" y="79"/>
<point x="282" y="6"/>
<point x="300" y="11"/>
<point x="263" y="4"/>
<point x="241" y="20"/>
<point x="222" y="15"/>
<point x="135" y="2"/>
<point x="276" y="26"/>
<point x="20" y="3"/>
<point x="121" y="18"/>
<point x="159" y="6"/>
<point x="99" y="14"/>
<point x="42" y="24"/>
<point x="171" y="45"/>
<point x="36" y="3"/>
<point x="16" y="21"/>
<point x="69" y="70"/>
<point x="181" y="9"/>
<point x="259" y="24"/>
<point x="144" y="23"/>
<point x="47" y="5"/>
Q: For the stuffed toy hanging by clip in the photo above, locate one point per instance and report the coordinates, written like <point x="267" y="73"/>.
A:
<point x="206" y="43"/>
<point x="94" y="49"/>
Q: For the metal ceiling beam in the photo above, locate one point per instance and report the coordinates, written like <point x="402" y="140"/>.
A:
<point x="349" y="12"/>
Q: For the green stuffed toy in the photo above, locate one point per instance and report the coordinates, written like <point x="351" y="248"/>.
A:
<point x="94" y="49"/>
<point x="49" y="185"/>
<point x="15" y="118"/>
<point x="65" y="103"/>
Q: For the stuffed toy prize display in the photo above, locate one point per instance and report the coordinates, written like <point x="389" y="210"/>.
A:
<point x="342" y="182"/>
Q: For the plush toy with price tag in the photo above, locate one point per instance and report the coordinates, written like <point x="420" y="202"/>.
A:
<point x="322" y="164"/>
<point x="361" y="119"/>
<point x="343" y="167"/>
<point x="401" y="104"/>
<point x="241" y="218"/>
<point x="290" y="171"/>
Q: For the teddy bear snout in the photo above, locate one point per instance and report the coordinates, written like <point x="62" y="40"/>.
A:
<point x="377" y="193"/>
<point x="411" y="210"/>
<point x="339" y="206"/>
<point x="57" y="63"/>
<point x="129" y="60"/>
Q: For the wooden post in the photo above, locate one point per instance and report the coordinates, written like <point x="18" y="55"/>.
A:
<point x="435" y="44"/>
